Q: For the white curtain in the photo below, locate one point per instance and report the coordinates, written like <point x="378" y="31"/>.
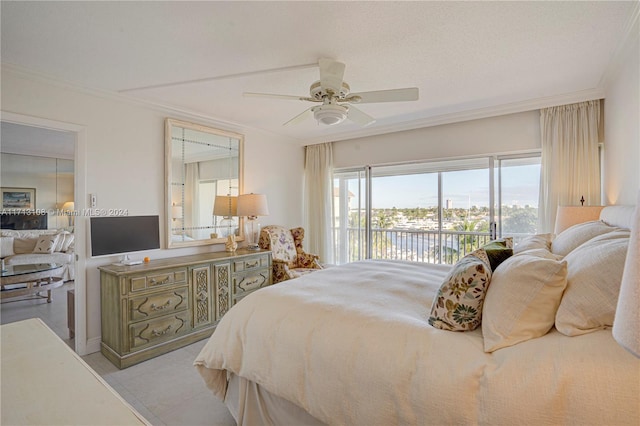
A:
<point x="570" y="160"/>
<point x="318" y="171"/>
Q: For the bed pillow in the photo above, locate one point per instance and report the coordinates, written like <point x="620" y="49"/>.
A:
<point x="522" y="300"/>
<point x="498" y="251"/>
<point x="67" y="244"/>
<point x="576" y="235"/>
<point x="458" y="303"/>
<point x="46" y="244"/>
<point x="532" y="242"/>
<point x="60" y="241"/>
<point x="593" y="284"/>
<point x="6" y="246"/>
<point x="545" y="253"/>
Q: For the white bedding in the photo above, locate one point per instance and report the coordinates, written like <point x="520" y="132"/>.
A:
<point x="351" y="345"/>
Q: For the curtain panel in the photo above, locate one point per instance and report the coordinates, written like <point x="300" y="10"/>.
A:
<point x="570" y="159"/>
<point x="318" y="171"/>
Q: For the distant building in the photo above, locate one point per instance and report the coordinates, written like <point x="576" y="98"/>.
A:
<point x="449" y="204"/>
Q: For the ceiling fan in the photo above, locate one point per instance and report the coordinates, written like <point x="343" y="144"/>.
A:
<point x="334" y="96"/>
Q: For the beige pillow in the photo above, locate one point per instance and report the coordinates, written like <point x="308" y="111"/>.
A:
<point x="46" y="244"/>
<point x="59" y="241"/>
<point x="593" y="284"/>
<point x="538" y="241"/>
<point x="6" y="246"/>
<point x="68" y="241"/>
<point x="569" y="239"/>
<point x="24" y="245"/>
<point x="544" y="253"/>
<point x="522" y="299"/>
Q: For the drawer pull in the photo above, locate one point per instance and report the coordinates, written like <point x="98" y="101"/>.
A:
<point x="153" y="281"/>
<point x="157" y="333"/>
<point x="253" y="264"/>
<point x="252" y="282"/>
<point x="154" y="307"/>
<point x="247" y="284"/>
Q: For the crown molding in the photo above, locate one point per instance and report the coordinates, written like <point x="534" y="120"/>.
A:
<point x="435" y="120"/>
<point x="467" y="115"/>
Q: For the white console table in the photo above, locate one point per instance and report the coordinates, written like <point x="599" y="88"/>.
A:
<point x="45" y="383"/>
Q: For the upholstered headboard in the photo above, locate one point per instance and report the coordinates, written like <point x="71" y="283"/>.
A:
<point x="620" y="216"/>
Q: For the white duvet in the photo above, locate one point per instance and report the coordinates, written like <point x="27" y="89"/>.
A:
<point x="351" y="345"/>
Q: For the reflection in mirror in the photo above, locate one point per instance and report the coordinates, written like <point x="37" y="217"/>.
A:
<point x="204" y="178"/>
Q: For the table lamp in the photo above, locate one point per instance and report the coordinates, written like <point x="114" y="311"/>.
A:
<point x="567" y="216"/>
<point x="68" y="209"/>
<point x="252" y="206"/>
<point x="227" y="207"/>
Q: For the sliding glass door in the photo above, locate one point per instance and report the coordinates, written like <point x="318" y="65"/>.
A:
<point x="433" y="212"/>
<point x="519" y="187"/>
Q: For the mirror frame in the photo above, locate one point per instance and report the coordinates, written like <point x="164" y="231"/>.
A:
<point x="170" y="123"/>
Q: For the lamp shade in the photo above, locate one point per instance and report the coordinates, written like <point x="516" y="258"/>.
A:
<point x="626" y="325"/>
<point x="567" y="216"/>
<point x="252" y="205"/>
<point x="225" y="205"/>
<point x="68" y="206"/>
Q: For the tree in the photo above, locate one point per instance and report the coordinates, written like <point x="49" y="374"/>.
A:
<point x="521" y="221"/>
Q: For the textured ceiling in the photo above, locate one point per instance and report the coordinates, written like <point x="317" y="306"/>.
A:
<point x="200" y="57"/>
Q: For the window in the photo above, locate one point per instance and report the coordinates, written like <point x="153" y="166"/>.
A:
<point x="519" y="187"/>
<point x="432" y="212"/>
<point x="350" y="216"/>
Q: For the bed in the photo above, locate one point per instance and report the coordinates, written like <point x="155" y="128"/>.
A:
<point x="353" y="344"/>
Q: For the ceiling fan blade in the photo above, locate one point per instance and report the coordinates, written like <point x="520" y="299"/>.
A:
<point x="392" y="95"/>
<point x="331" y="74"/>
<point x="359" y="117"/>
<point x="299" y="118"/>
<point x="274" y="96"/>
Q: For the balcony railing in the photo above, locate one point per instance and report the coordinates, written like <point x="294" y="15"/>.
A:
<point x="429" y="246"/>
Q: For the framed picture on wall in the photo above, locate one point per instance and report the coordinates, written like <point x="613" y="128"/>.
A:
<point x="18" y="198"/>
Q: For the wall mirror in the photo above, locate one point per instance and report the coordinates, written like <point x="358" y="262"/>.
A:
<point x="204" y="177"/>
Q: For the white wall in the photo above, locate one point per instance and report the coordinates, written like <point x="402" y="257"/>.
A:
<point x="125" y="161"/>
<point x="622" y="127"/>
<point x="502" y="134"/>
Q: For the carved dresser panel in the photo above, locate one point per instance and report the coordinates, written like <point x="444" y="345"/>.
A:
<point x="156" y="307"/>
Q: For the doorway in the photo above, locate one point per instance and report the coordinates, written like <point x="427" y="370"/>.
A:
<point x="76" y="137"/>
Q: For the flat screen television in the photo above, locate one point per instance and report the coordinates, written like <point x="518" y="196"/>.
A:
<point x="23" y="221"/>
<point x="124" y="234"/>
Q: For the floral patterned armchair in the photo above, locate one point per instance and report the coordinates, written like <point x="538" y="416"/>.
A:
<point x="289" y="259"/>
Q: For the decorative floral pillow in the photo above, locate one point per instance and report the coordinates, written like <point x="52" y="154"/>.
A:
<point x="458" y="304"/>
<point x="46" y="244"/>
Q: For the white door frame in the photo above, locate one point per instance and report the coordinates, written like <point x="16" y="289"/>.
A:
<point x="81" y="222"/>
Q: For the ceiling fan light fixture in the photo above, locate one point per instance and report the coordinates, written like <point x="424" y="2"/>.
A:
<point x="330" y="114"/>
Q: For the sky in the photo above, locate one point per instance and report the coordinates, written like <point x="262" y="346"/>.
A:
<point x="520" y="186"/>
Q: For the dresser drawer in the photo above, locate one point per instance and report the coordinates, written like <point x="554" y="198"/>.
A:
<point x="247" y="264"/>
<point x="244" y="284"/>
<point x="160" y="329"/>
<point x="155" y="305"/>
<point x="157" y="279"/>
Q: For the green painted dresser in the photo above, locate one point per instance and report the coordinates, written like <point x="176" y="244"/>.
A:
<point x="162" y="305"/>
